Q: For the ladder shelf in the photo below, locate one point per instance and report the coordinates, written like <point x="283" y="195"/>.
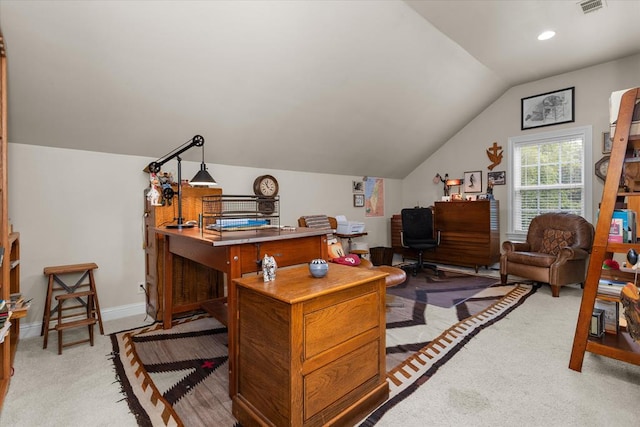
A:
<point x="618" y="346"/>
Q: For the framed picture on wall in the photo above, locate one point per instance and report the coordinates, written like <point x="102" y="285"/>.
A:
<point x="473" y="182"/>
<point x="358" y="186"/>
<point x="498" y="178"/>
<point x="358" y="200"/>
<point x="547" y="109"/>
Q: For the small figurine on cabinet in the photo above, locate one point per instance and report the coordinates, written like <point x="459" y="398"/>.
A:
<point x="439" y="178"/>
<point x="269" y="267"/>
<point x="631" y="174"/>
<point x="490" y="190"/>
<point x="166" y="179"/>
<point x="153" y="196"/>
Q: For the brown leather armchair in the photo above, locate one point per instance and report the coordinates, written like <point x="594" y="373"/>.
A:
<point x="556" y="251"/>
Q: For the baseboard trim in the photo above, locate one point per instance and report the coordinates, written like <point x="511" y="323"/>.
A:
<point x="33" y="329"/>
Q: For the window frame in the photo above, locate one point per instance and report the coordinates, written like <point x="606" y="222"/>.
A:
<point x="584" y="132"/>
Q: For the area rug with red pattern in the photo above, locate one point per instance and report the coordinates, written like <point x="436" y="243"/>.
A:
<point x="179" y="377"/>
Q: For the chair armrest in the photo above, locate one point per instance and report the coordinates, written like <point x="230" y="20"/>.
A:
<point x="570" y="253"/>
<point x="509" y="246"/>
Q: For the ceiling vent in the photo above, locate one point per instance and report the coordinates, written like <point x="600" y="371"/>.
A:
<point x="591" y="5"/>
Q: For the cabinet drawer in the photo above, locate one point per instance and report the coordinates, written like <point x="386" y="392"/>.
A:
<point x="335" y="380"/>
<point x="331" y="326"/>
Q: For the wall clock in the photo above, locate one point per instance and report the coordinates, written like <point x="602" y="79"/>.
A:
<point x="265" y="185"/>
<point x="601" y="167"/>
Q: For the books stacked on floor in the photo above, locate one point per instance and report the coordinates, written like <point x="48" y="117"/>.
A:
<point x="610" y="288"/>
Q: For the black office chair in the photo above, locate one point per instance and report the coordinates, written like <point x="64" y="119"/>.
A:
<point x="418" y="234"/>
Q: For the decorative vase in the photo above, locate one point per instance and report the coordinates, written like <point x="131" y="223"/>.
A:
<point x="318" y="267"/>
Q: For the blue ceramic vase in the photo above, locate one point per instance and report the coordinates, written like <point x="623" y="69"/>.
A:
<point x="318" y="267"/>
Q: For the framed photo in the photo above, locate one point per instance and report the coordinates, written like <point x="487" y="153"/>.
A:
<point x="358" y="200"/>
<point x="358" y="186"/>
<point x="473" y="182"/>
<point x="607" y="142"/>
<point x="548" y="109"/>
<point x="498" y="178"/>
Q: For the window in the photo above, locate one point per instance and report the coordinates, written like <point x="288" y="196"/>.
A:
<point x="549" y="174"/>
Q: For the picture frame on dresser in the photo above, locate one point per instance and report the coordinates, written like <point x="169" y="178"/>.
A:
<point x="473" y="182"/>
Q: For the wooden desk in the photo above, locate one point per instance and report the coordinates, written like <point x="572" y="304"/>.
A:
<point x="310" y="351"/>
<point x="235" y="253"/>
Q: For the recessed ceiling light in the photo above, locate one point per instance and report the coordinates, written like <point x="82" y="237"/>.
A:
<point x="546" y="35"/>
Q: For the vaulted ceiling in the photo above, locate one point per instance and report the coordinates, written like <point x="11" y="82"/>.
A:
<point x="346" y="87"/>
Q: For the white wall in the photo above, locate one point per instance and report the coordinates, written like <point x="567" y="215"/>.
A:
<point x="73" y="206"/>
<point x="466" y="151"/>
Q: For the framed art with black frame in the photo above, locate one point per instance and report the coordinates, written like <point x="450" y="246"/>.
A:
<point x="358" y="200"/>
<point x="498" y="177"/>
<point x="551" y="108"/>
<point x="473" y="182"/>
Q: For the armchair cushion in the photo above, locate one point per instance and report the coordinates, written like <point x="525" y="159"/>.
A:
<point x="553" y="240"/>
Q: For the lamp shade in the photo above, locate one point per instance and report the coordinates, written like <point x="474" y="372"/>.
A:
<point x="203" y="177"/>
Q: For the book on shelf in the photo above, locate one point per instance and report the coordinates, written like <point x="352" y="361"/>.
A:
<point x="611" y="315"/>
<point x="20" y="305"/>
<point x="610" y="287"/>
<point x="596" y="329"/>
<point x="623" y="226"/>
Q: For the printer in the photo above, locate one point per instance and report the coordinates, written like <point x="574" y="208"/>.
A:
<point x="348" y="227"/>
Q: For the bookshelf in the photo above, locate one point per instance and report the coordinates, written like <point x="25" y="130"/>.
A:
<point x="618" y="346"/>
<point x="9" y="241"/>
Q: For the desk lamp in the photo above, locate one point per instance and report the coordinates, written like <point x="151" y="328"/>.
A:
<point x="454" y="183"/>
<point x="201" y="178"/>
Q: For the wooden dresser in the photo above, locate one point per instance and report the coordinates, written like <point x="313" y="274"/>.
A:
<point x="469" y="234"/>
<point x="310" y="351"/>
<point x="193" y="282"/>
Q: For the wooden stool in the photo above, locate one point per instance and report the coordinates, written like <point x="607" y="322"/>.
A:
<point x="92" y="305"/>
<point x="89" y="321"/>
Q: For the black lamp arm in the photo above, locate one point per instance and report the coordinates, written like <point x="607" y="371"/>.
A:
<point x="196" y="141"/>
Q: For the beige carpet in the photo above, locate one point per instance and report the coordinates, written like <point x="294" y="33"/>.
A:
<point x="514" y="373"/>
